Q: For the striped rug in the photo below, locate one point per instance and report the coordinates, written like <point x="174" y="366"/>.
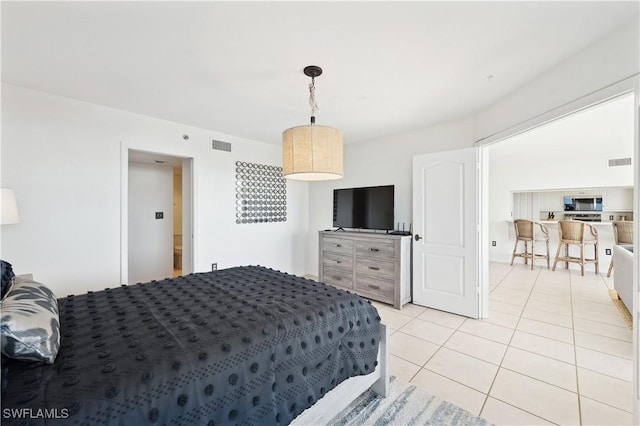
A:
<point x="406" y="405"/>
<point x="622" y="308"/>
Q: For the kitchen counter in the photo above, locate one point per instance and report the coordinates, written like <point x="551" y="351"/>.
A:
<point x="555" y="222"/>
<point x="547" y="222"/>
<point x="605" y="242"/>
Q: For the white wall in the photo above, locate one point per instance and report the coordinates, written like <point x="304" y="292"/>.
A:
<point x="63" y="158"/>
<point x="386" y="161"/>
<point x="150" y="246"/>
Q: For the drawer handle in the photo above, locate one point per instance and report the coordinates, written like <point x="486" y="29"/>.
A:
<point x="337" y="278"/>
<point x="337" y="245"/>
<point x="375" y="268"/>
<point x="338" y="261"/>
<point x="373" y="249"/>
<point x="375" y="287"/>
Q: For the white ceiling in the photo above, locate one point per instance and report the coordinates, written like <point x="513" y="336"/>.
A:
<point x="236" y="67"/>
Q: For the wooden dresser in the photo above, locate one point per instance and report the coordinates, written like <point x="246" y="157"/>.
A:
<point x="376" y="266"/>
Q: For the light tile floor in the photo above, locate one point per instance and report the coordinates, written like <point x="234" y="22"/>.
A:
<point x="554" y="350"/>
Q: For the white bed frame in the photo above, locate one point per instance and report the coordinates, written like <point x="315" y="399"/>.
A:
<point x="346" y="392"/>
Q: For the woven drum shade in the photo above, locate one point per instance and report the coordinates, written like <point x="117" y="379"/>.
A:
<point x="312" y="153"/>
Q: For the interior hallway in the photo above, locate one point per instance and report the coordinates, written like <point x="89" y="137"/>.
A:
<point x="555" y="350"/>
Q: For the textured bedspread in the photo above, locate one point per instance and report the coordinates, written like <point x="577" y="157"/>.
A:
<point x="245" y="345"/>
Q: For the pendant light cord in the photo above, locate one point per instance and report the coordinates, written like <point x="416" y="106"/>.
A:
<point x="312" y="100"/>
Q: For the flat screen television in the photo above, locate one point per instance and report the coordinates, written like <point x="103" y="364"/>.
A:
<point x="364" y="208"/>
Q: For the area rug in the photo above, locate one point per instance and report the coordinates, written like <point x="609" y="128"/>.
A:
<point x="624" y="312"/>
<point x="406" y="405"/>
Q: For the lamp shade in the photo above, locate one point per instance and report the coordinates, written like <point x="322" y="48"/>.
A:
<point x="9" y="207"/>
<point x="312" y="153"/>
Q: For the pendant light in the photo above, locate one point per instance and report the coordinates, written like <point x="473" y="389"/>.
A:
<point x="312" y="152"/>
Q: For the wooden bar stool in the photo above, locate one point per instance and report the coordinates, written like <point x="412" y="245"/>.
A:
<point x="529" y="231"/>
<point x="622" y="234"/>
<point x="575" y="232"/>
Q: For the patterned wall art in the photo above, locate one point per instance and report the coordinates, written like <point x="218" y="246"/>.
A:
<point x="261" y="193"/>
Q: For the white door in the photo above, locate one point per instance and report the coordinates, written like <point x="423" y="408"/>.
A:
<point x="446" y="217"/>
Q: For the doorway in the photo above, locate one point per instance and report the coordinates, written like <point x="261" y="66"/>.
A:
<point x="157" y="216"/>
<point x="582" y="316"/>
<point x="531" y="172"/>
<point x="177" y="220"/>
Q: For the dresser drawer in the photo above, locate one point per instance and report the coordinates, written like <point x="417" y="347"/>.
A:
<point x="337" y="277"/>
<point x="379" y="249"/>
<point x="375" y="287"/>
<point x="338" y="261"/>
<point x="337" y="245"/>
<point x="376" y="269"/>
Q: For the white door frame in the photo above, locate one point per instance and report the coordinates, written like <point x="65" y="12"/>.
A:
<point x="623" y="87"/>
<point x="189" y="201"/>
<point x="483" y="232"/>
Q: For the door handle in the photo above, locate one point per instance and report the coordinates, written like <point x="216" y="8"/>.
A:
<point x="418" y="237"/>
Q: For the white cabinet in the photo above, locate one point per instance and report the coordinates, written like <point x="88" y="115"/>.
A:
<point x="618" y="199"/>
<point x="536" y="205"/>
<point x="551" y="201"/>
<point x="580" y="192"/>
<point x="523" y="205"/>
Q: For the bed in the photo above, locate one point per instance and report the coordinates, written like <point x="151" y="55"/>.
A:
<point x="244" y="345"/>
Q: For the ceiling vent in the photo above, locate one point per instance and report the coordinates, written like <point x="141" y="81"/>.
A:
<point x="220" y="146"/>
<point x="620" y="162"/>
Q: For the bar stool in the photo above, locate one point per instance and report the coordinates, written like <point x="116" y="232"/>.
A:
<point x="622" y="234"/>
<point x="575" y="232"/>
<point x="529" y="231"/>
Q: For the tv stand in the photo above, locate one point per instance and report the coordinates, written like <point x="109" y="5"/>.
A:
<point x="373" y="265"/>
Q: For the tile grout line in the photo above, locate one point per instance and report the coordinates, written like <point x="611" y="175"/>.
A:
<point x="575" y="351"/>
<point x="441" y="346"/>
<point x="510" y="339"/>
<point x="537" y="379"/>
<point x="575" y="346"/>
<point x="573" y="298"/>
<point x="436" y="351"/>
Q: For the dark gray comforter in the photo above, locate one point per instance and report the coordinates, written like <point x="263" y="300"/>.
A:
<point x="246" y="345"/>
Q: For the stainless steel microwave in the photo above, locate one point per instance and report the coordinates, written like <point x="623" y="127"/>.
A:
<point x="583" y="203"/>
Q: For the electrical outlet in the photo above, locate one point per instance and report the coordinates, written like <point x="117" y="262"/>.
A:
<point x="214" y="266"/>
<point x="607" y="252"/>
<point x="493" y="243"/>
<point x="159" y="215"/>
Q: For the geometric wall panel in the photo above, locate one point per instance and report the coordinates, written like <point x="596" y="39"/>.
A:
<point x="261" y="193"/>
